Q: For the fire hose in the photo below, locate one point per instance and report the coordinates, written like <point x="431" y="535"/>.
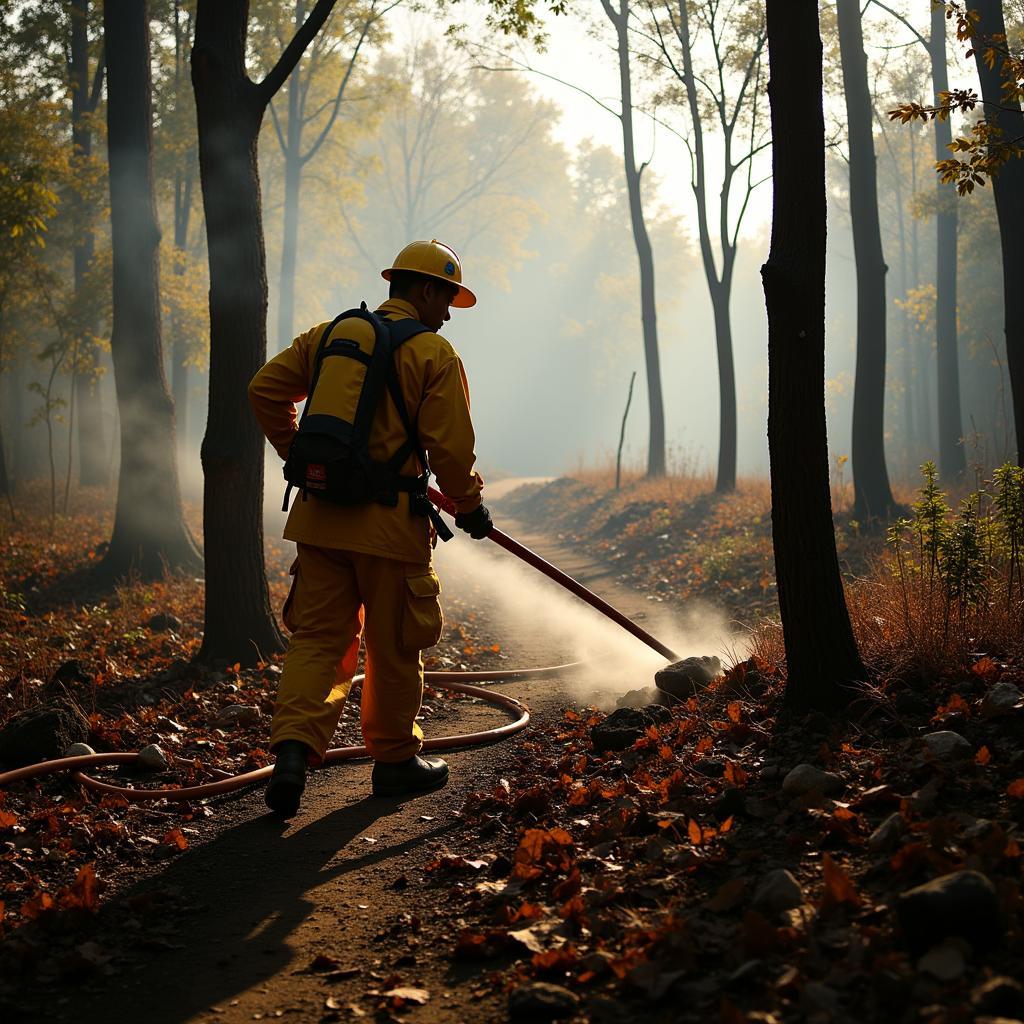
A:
<point x="455" y="682"/>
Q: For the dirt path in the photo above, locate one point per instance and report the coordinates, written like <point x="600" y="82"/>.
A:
<point x="228" y="929"/>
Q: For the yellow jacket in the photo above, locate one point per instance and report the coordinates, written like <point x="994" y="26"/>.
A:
<point x="436" y="394"/>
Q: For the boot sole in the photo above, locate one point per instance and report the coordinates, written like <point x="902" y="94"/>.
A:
<point x="282" y="796"/>
<point x="404" y="789"/>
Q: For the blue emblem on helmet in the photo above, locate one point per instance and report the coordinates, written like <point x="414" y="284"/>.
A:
<point x="449" y="267"/>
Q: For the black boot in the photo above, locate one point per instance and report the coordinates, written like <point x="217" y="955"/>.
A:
<point x="417" y="775"/>
<point x="289" y="778"/>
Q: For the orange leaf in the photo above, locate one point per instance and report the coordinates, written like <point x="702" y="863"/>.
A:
<point x="986" y="668"/>
<point x="734" y="711"/>
<point x="83" y="894"/>
<point x="838" y="887"/>
<point x="1016" y="789"/>
<point x="665" y="752"/>
<point x="39" y="904"/>
<point x="725" y="826"/>
<point x="704" y="745"/>
<point x="694" y="832"/>
<point x="735" y="774"/>
<point x="7" y="820"/>
<point x="983" y="756"/>
<point x="175" y="838"/>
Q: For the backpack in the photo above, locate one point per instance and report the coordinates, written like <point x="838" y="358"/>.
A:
<point x="329" y="456"/>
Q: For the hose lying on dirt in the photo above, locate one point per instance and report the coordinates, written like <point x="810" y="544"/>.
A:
<point x="456" y="682"/>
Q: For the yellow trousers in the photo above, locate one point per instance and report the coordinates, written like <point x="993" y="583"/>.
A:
<point x="333" y="593"/>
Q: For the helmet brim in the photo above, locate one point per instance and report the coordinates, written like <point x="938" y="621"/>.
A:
<point x="464" y="298"/>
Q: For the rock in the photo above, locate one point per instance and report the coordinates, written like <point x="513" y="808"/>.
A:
<point x="153" y="758"/>
<point x="806" y="778"/>
<point x="237" y="714"/>
<point x="944" y="963"/>
<point x="639" y="698"/>
<point x="164" y="622"/>
<point x="888" y="834"/>
<point x="541" y="1001"/>
<point x="1002" y="699"/>
<point x="69" y="672"/>
<point x="79" y="750"/>
<point x="946" y="746"/>
<point x="684" y="678"/>
<point x="1000" y="996"/>
<point x="777" y="891"/>
<point x="624" y="726"/>
<point x="819" y="998"/>
<point x="962" y="904"/>
<point x="41" y="733"/>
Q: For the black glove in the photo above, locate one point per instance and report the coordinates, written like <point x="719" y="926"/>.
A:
<point x="476" y="523"/>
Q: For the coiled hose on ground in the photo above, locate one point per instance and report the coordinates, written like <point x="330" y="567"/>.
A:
<point x="456" y="682"/>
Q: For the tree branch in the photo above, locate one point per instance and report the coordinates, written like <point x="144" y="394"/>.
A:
<point x="900" y="18"/>
<point x="97" y="82"/>
<point x="279" y="73"/>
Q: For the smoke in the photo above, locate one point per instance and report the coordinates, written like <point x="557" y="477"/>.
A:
<point x="545" y="625"/>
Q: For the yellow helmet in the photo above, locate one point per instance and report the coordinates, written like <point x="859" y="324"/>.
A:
<point x="435" y="259"/>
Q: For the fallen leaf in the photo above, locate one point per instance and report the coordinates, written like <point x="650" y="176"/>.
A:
<point x="693" y="830"/>
<point x="528" y="938"/>
<point x="175" y="838"/>
<point x="1016" y="789"/>
<point x="838" y="886"/>
<point x="983" y="756"/>
<point x="402" y="995"/>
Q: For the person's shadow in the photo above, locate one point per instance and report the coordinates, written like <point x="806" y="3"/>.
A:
<point x="216" y="921"/>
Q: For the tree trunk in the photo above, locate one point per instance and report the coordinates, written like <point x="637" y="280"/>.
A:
<point x="149" y="534"/>
<point x="292" y="186"/>
<point x="240" y="625"/>
<point x="872" y="495"/>
<point x="645" y="255"/>
<point x="92" y="462"/>
<point x="952" y="461"/>
<point x="725" y="482"/>
<point x="5" y="483"/>
<point x="821" y="654"/>
<point x="1008" y="192"/>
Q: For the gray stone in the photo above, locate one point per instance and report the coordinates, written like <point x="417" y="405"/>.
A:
<point x="41" y="733"/>
<point x="888" y="834"/>
<point x="79" y="750"/>
<point x="624" y="726"/>
<point x="164" y="622"/>
<point x="946" y="746"/>
<point x="1000" y="996"/>
<point x="153" y="758"/>
<point x="806" y="778"/>
<point x="639" y="698"/>
<point x="541" y="1001"/>
<point x="685" y="678"/>
<point x="962" y="904"/>
<point x="818" y="997"/>
<point x="1002" y="699"/>
<point x="944" y="963"/>
<point x="777" y="891"/>
<point x="237" y="714"/>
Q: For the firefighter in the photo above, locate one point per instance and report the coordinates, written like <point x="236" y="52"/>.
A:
<point x="366" y="569"/>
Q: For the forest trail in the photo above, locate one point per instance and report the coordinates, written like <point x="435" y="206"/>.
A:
<point x="255" y="901"/>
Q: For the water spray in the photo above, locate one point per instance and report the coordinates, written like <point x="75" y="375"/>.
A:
<point x="455" y="682"/>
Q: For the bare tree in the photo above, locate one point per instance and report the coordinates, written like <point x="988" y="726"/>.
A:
<point x="149" y="533"/>
<point x="620" y="18"/>
<point x="952" y="460"/>
<point x="240" y="625"/>
<point x="821" y="654"/>
<point x="731" y="88"/>
<point x="873" y="498"/>
<point x="304" y="113"/>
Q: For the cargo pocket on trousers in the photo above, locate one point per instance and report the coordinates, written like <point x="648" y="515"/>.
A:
<point x="422" y="620"/>
<point x="289" y="601"/>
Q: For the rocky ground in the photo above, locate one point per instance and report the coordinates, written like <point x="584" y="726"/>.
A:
<point x="714" y="860"/>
